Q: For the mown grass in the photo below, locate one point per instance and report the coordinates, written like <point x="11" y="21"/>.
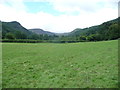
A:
<point x="0" y="66"/>
<point x="52" y="65"/>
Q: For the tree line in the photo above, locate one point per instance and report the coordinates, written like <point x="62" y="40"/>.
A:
<point x="107" y="31"/>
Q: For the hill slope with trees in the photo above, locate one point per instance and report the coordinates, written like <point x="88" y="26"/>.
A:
<point x="41" y="31"/>
<point x="14" y="30"/>
<point x="109" y="30"/>
<point x="106" y="31"/>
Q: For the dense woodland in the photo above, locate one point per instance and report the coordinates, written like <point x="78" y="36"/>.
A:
<point x="14" y="31"/>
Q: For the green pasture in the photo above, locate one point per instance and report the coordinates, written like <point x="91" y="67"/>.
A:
<point x="55" y="65"/>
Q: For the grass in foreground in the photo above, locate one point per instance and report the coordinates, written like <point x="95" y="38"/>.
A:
<point x="0" y="66"/>
<point x="70" y="65"/>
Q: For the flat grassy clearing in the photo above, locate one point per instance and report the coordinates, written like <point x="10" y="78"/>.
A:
<point x="0" y="66"/>
<point x="53" y="65"/>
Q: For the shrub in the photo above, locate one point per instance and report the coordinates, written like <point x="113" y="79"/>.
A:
<point x="9" y="36"/>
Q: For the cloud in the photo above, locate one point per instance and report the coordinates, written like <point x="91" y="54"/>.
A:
<point x="82" y="5"/>
<point x="17" y="5"/>
<point x="74" y="5"/>
<point x="91" y="12"/>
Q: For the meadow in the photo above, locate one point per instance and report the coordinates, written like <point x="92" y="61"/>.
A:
<point x="55" y="65"/>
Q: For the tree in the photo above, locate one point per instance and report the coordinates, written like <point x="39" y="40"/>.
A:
<point x="82" y="38"/>
<point x="91" y="37"/>
<point x="10" y="36"/>
<point x="20" y="35"/>
<point x="114" y="32"/>
<point x="35" y="37"/>
<point x="46" y="37"/>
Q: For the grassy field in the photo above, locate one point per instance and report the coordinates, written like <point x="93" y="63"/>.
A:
<point x="0" y="66"/>
<point x="69" y="65"/>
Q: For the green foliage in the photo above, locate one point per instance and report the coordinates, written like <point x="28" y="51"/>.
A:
<point x="10" y="36"/>
<point x="46" y="37"/>
<point x="16" y="29"/>
<point x="69" y="65"/>
<point x="20" y="35"/>
<point x="82" y="38"/>
<point x="114" y="31"/>
<point x="107" y="31"/>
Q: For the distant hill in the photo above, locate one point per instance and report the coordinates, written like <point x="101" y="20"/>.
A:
<point x="105" y="31"/>
<point x="109" y="30"/>
<point x="62" y="34"/>
<point x="15" y="28"/>
<point x="41" y="31"/>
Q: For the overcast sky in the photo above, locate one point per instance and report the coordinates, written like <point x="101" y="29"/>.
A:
<point x="58" y="15"/>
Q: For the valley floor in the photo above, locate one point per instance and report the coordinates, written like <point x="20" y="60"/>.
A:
<point x="52" y="65"/>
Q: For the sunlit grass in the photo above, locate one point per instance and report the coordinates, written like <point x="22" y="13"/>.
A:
<point x="70" y="65"/>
